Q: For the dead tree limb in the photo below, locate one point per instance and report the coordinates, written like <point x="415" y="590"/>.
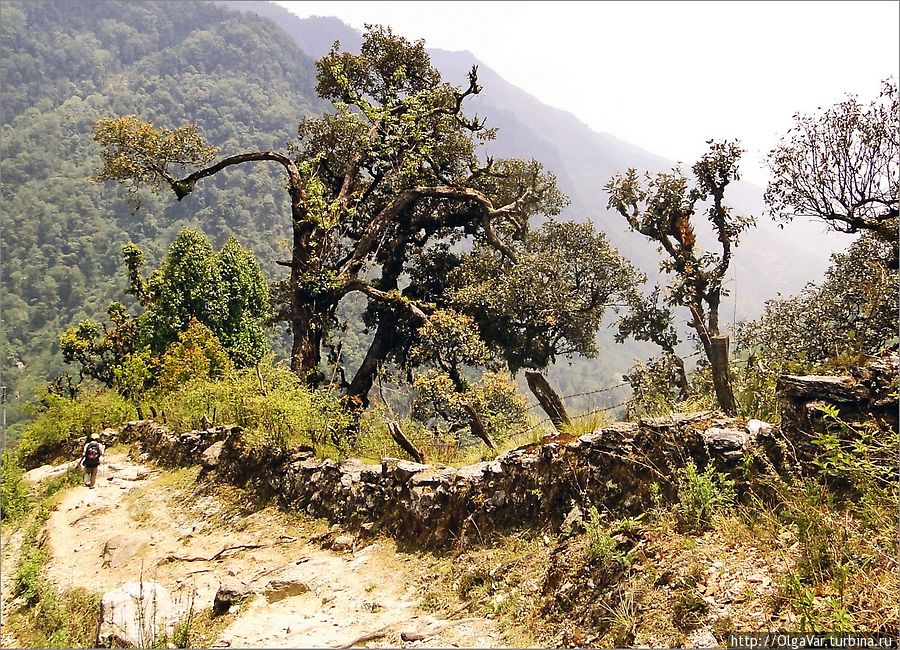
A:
<point x="549" y="400"/>
<point x="404" y="442"/>
<point x="477" y="426"/>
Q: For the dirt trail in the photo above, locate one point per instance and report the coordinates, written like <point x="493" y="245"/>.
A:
<point x="140" y="522"/>
<point x="8" y="557"/>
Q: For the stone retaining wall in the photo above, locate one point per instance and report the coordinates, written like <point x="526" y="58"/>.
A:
<point x="612" y="468"/>
<point x="867" y="393"/>
<point x="435" y="505"/>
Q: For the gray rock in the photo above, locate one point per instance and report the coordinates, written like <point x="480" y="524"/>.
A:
<point x="135" y="615"/>
<point x="726" y="444"/>
<point x="210" y="456"/>
<point x="702" y="638"/>
<point x="121" y="548"/>
<point x="282" y="588"/>
<point x="472" y="472"/>
<point x="108" y="436"/>
<point x="574" y="522"/>
<point x="405" y="470"/>
<point x="43" y="472"/>
<point x="756" y="427"/>
<point x="343" y="543"/>
<point x="132" y="473"/>
<point x="231" y="592"/>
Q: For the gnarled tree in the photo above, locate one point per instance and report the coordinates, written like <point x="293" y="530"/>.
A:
<point x="842" y="167"/>
<point x="662" y="208"/>
<point x="377" y="189"/>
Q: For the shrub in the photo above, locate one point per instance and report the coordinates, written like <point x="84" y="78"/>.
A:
<point x="197" y="354"/>
<point x="13" y="491"/>
<point x="50" y="619"/>
<point x="64" y="418"/>
<point x="602" y="546"/>
<point x="438" y="405"/>
<point x="700" y="496"/>
<point x="270" y="402"/>
<point x="864" y="455"/>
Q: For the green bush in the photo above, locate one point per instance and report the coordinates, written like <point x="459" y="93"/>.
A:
<point x="602" y="547"/>
<point x="700" y="496"/>
<point x="50" y="619"/>
<point x="863" y="456"/>
<point x="64" y="418"/>
<point x="13" y="490"/>
<point x="70" y="478"/>
<point x="28" y="582"/>
<point x="276" y="408"/>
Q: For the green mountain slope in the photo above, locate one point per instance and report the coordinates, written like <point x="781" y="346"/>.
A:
<point x="63" y="65"/>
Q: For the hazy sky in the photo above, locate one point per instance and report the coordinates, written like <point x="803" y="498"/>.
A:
<point x="666" y="76"/>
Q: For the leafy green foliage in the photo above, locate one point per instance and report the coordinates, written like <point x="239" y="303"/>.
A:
<point x="101" y="350"/>
<point x="210" y="306"/>
<point x="603" y="547"/>
<point x="160" y="148"/>
<point x="65" y="418"/>
<point x="700" y="496"/>
<point x="224" y="291"/>
<point x="449" y="341"/>
<point x="852" y="312"/>
<point x="67" y="65"/>
<point x="275" y="407"/>
<point x="862" y="456"/>
<point x="13" y="490"/>
<point x="438" y="404"/>
<point x="393" y="179"/>
<point x="550" y="301"/>
<point x="196" y="355"/>
<point x="28" y="580"/>
<point x="655" y="386"/>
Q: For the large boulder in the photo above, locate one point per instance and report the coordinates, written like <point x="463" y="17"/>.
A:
<point x="44" y="472"/>
<point x="230" y="593"/>
<point x="136" y="615"/>
<point x="121" y="548"/>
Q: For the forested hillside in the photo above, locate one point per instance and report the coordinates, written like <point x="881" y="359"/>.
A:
<point x="240" y="78"/>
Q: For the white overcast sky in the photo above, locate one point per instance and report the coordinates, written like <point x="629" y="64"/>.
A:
<point x="666" y="76"/>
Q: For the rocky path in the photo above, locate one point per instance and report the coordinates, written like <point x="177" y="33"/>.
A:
<point x="191" y="537"/>
<point x="9" y="553"/>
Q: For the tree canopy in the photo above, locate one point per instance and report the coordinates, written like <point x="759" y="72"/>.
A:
<point x="381" y="189"/>
<point x="223" y="294"/>
<point x="852" y="311"/>
<point x="843" y="167"/>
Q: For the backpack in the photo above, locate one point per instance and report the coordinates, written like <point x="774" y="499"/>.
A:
<point x="92" y="454"/>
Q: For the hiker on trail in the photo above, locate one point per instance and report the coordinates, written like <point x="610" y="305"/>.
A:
<point x="90" y="459"/>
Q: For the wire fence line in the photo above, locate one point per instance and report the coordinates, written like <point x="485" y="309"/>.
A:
<point x="581" y="415"/>
<point x="585" y="394"/>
